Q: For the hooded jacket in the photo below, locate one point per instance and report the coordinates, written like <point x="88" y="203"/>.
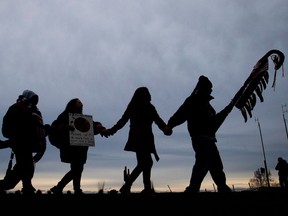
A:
<point x="23" y="125"/>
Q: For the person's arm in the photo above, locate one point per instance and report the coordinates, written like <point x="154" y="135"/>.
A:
<point x="180" y="116"/>
<point x="221" y="116"/>
<point x="158" y="120"/>
<point x="121" y="122"/>
<point x="99" y="129"/>
<point x="5" y="144"/>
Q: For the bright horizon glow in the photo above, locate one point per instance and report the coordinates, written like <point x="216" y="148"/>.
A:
<point x="93" y="184"/>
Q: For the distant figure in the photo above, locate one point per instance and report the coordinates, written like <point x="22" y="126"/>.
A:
<point x="203" y="123"/>
<point x="282" y="167"/>
<point x="23" y="126"/>
<point x="141" y="114"/>
<point x="76" y="156"/>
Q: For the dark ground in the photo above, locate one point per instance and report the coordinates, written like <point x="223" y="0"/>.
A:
<point x="204" y="203"/>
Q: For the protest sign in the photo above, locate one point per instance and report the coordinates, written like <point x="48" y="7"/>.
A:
<point x="83" y="135"/>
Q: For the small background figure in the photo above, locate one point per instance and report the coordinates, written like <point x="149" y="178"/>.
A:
<point x="282" y="167"/>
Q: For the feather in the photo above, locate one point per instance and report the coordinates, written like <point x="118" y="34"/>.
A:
<point x="266" y="76"/>
<point x="245" y="99"/>
<point x="244" y="114"/>
<point x="259" y="93"/>
<point x="263" y="83"/>
<point x="248" y="110"/>
<point x="253" y="100"/>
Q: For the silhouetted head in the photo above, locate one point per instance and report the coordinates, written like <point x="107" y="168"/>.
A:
<point x="30" y="97"/>
<point x="74" y="106"/>
<point x="204" y="83"/>
<point x="280" y="159"/>
<point x="203" y="87"/>
<point x="141" y="95"/>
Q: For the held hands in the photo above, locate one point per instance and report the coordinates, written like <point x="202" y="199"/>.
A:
<point x="100" y="129"/>
<point x="103" y="132"/>
<point x="106" y="132"/>
<point x="168" y="131"/>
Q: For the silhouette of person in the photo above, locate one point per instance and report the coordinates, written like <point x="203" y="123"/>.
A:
<point x="76" y="156"/>
<point x="282" y="167"/>
<point x="202" y="124"/>
<point x="23" y="126"/>
<point x="142" y="114"/>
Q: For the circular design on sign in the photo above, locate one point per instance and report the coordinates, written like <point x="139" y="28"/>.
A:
<point x="82" y="124"/>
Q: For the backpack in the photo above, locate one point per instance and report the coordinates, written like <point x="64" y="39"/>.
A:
<point x="54" y="135"/>
<point x="6" y="125"/>
<point x="35" y="125"/>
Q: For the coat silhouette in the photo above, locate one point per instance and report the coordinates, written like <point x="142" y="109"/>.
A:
<point x="203" y="123"/>
<point x="23" y="126"/>
<point x="142" y="114"/>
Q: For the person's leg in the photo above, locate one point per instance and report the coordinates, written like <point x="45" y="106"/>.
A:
<point x="58" y="189"/>
<point x="145" y="160"/>
<point x="281" y="182"/>
<point x="77" y="170"/>
<point x="25" y="167"/>
<point x="216" y="171"/>
<point x="131" y="178"/>
<point x="200" y="168"/>
<point x="285" y="182"/>
<point x="199" y="171"/>
<point x="65" y="180"/>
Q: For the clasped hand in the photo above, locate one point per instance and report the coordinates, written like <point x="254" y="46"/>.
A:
<point x="168" y="131"/>
<point x="106" y="132"/>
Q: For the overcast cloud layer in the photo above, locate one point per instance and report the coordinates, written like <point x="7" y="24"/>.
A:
<point x="102" y="50"/>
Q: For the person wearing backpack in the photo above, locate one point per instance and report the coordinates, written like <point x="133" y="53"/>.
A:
<point x="23" y="126"/>
<point x="76" y="156"/>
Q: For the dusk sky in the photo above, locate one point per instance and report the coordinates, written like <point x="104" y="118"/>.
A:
<point x="102" y="50"/>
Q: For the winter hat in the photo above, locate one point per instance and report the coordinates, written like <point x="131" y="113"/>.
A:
<point x="204" y="83"/>
<point x="28" y="94"/>
<point x="31" y="96"/>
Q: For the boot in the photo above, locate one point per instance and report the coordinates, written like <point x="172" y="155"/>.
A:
<point x="56" y="190"/>
<point x="125" y="189"/>
<point x="224" y="189"/>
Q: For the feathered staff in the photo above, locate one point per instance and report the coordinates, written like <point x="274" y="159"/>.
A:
<point x="256" y="83"/>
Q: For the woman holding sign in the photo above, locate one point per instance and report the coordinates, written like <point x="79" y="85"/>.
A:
<point x="75" y="155"/>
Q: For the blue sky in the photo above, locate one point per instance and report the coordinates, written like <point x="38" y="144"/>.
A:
<point x="102" y="50"/>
